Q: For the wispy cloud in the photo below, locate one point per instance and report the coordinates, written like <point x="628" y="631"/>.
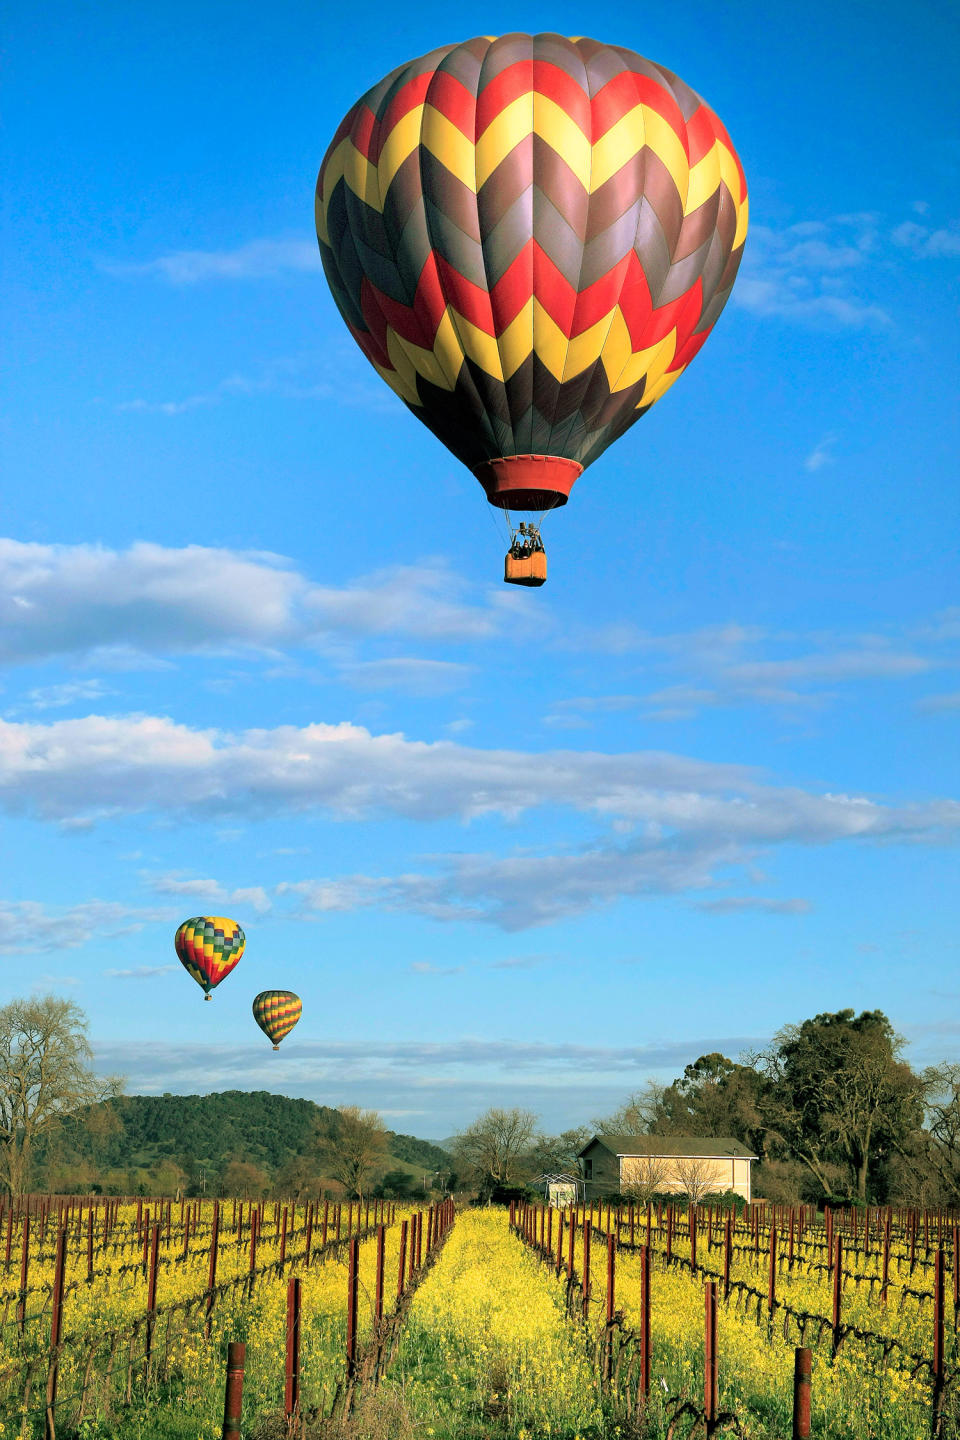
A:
<point x="256" y="260"/>
<point x="424" y="967"/>
<point x="102" y="765"/>
<point x="821" y="454"/>
<point x="140" y="972"/>
<point x="737" y="904"/>
<point x="124" y="607"/>
<point x="807" y="273"/>
<point x="928" y="243"/>
<point x="28" y="927"/>
<point x="447" y="1082"/>
<point x="337" y="374"/>
<point x="207" y="892"/>
<point x="407" y="675"/>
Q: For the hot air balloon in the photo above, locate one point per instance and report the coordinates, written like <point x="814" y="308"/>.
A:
<point x="276" y="1012"/>
<point x="209" y="946"/>
<point x="530" y="238"/>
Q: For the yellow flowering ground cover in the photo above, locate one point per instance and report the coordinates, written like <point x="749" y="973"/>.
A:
<point x="188" y="1403"/>
<point x="858" y="1395"/>
<point x="487" y="1350"/>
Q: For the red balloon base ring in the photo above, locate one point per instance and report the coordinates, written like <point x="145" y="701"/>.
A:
<point x="528" y="482"/>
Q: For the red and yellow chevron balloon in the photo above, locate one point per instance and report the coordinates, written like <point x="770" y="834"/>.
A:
<point x="209" y="946"/>
<point x="276" y="1012"/>
<point x="530" y="238"/>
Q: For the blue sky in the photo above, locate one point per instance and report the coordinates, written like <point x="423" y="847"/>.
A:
<point x="509" y="847"/>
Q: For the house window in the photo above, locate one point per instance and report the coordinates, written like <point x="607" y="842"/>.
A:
<point x="588" y="1169"/>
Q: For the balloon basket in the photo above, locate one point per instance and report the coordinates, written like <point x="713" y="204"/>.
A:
<point x="208" y="997"/>
<point x="276" y="1047"/>
<point x="525" y="569"/>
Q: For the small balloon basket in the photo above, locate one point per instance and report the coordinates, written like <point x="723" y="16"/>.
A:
<point x="525" y="569"/>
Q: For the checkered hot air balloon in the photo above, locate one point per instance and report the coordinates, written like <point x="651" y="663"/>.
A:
<point x="209" y="946"/>
<point x="276" y="1012"/>
<point x="530" y="238"/>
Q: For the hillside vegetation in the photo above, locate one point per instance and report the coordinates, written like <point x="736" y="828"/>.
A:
<point x="232" y="1141"/>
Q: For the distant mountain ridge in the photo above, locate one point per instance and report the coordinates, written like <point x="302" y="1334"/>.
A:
<point x="208" y="1132"/>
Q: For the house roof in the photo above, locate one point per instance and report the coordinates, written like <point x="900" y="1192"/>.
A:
<point x="706" y="1145"/>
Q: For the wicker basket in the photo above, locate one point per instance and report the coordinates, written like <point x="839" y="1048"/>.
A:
<point x="527" y="570"/>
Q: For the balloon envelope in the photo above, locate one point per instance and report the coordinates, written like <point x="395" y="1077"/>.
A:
<point x="276" y="1012"/>
<point x="530" y="238"/>
<point x="209" y="946"/>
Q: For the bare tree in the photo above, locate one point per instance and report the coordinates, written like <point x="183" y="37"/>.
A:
<point x="46" y="1074"/>
<point x="640" y="1114"/>
<point x="697" y="1177"/>
<point x="648" y="1175"/>
<point x="494" y="1147"/>
<point x="354" y="1150"/>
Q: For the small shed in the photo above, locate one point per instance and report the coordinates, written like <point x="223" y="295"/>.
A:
<point x="667" y="1164"/>
<point x="562" y="1189"/>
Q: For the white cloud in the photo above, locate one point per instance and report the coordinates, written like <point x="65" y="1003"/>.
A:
<point x="930" y="244"/>
<point x="28" y="927"/>
<point x="424" y="967"/>
<point x="736" y="904"/>
<point x="120" y="607"/>
<point x="141" y="972"/>
<point x="256" y="260"/>
<point x="209" y="892"/>
<point x="124" y="765"/>
<point x="821" y="454"/>
<point x="806" y="273"/>
<point x="408" y="675"/>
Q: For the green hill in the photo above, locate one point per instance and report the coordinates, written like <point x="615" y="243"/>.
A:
<point x="191" y="1141"/>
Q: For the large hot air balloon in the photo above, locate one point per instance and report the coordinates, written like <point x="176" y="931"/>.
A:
<point x="530" y="238"/>
<point x="276" y="1012"/>
<point x="209" y="946"/>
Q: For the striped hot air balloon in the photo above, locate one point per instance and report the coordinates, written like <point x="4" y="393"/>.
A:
<point x="209" y="946"/>
<point x="530" y="238"/>
<point x="276" y="1012"/>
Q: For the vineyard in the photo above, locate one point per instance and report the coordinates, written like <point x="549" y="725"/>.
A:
<point x="193" y="1321"/>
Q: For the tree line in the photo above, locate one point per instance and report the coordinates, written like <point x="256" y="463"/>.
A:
<point x="831" y="1109"/>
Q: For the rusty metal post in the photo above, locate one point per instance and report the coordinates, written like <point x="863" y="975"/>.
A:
<point x="254" y="1231"/>
<point x="152" y="1291"/>
<point x="381" y="1249"/>
<point x="283" y="1240"/>
<point x="711" y="1403"/>
<point x="611" y="1282"/>
<point x="353" y="1269"/>
<point x="233" y="1397"/>
<point x="419" y="1238"/>
<point x="956" y="1267"/>
<point x="212" y="1266"/>
<point x="772" y="1275"/>
<point x="587" y="1232"/>
<point x="326" y="1222"/>
<point x="802" y="1361"/>
<point x="669" y="1233"/>
<point x="837" y="1290"/>
<point x="645" y="1354"/>
<point x="571" y="1246"/>
<point x="727" y="1252"/>
<point x="291" y="1392"/>
<point x="56" y="1332"/>
<point x="938" y="1366"/>
<point x="692" y="1227"/>
<point x="309" y="1239"/>
<point x="559" y="1241"/>
<point x="403" y="1258"/>
<point x="90" y="1245"/>
<point x="24" y="1272"/>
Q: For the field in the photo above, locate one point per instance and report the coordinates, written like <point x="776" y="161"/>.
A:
<point x="369" y="1320"/>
